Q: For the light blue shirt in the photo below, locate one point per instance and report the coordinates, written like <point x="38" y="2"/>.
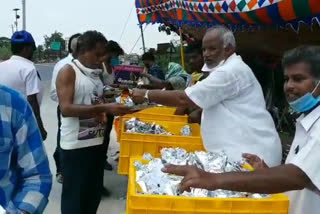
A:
<point x="25" y="178"/>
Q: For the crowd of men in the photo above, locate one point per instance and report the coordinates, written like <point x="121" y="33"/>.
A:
<point x="220" y="92"/>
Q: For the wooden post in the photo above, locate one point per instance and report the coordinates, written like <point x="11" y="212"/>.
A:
<point x="182" y="49"/>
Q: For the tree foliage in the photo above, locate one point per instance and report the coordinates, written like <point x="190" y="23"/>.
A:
<point x="5" y="48"/>
<point x="54" y="37"/>
<point x="5" y="53"/>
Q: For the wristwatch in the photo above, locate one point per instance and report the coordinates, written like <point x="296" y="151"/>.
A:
<point x="146" y="96"/>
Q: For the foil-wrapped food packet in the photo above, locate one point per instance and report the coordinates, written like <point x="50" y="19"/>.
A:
<point x="186" y="131"/>
<point x="225" y="194"/>
<point x="174" y="156"/>
<point x="152" y="181"/>
<point x="128" y="102"/>
<point x="135" y="125"/>
<point x="195" y="192"/>
<point x="211" y="162"/>
<point x="147" y="156"/>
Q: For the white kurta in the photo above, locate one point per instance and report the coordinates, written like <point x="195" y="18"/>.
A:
<point x="234" y="117"/>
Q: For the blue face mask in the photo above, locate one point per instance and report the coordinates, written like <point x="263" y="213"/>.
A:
<point x="306" y="102"/>
<point x="115" y="61"/>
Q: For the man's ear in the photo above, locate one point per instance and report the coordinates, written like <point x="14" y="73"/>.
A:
<point x="229" y="50"/>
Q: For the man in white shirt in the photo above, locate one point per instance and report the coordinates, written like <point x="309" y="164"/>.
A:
<point x="234" y="117"/>
<point x="20" y="73"/>
<point x="300" y="176"/>
<point x="72" y="46"/>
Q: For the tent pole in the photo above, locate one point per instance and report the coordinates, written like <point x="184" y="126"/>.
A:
<point x="182" y="49"/>
<point x="142" y="36"/>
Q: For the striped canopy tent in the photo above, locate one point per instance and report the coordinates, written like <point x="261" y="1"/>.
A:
<point x="264" y="29"/>
<point x="254" y="21"/>
<point x="235" y="13"/>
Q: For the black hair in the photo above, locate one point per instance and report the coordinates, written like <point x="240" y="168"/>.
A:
<point x="17" y="48"/>
<point x="304" y="54"/>
<point x="114" y="47"/>
<point x="88" y="41"/>
<point x="148" y="56"/>
<point x="70" y="41"/>
<point x="194" y="47"/>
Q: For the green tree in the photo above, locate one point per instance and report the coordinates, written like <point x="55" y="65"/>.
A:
<point x="38" y="55"/>
<point x="54" y="37"/>
<point x="5" y="53"/>
<point x="4" y="42"/>
<point x="5" y="48"/>
<point x="40" y="48"/>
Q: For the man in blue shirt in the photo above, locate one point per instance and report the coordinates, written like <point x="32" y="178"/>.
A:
<point x="25" y="178"/>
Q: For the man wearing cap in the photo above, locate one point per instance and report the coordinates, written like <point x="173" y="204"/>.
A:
<point x="20" y="73"/>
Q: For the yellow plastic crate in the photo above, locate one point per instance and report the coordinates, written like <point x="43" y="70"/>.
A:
<point x="134" y="144"/>
<point x="160" y="110"/>
<point x="153" y="117"/>
<point x="154" y="204"/>
<point x="156" y="113"/>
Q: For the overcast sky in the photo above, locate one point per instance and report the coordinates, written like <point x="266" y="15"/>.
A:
<point x="73" y="16"/>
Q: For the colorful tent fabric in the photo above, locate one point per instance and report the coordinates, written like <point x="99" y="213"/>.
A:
<point x="235" y="13"/>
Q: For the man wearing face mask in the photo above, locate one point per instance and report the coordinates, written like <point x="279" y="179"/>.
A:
<point x="80" y="93"/>
<point x="299" y="177"/>
<point x="234" y="117"/>
<point x="112" y="59"/>
<point x="20" y="73"/>
<point x="108" y="78"/>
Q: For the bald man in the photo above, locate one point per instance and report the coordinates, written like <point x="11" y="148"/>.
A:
<point x="234" y="117"/>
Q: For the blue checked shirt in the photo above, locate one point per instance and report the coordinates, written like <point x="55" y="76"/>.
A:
<point x="25" y="178"/>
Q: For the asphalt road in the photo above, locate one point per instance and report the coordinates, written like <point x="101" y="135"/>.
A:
<point x="45" y="71"/>
<point x="115" y="204"/>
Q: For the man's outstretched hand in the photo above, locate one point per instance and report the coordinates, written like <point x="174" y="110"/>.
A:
<point x="255" y="161"/>
<point x="193" y="177"/>
<point x="138" y="96"/>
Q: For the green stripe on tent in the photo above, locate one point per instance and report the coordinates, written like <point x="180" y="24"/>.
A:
<point x="142" y="3"/>
<point x="302" y="8"/>
<point x="149" y="17"/>
<point x="184" y="15"/>
<point x="253" y="16"/>
<point x="202" y="17"/>
<point x="225" y="18"/>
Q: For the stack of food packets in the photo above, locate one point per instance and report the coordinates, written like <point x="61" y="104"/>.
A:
<point x="134" y="125"/>
<point x="152" y="181"/>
